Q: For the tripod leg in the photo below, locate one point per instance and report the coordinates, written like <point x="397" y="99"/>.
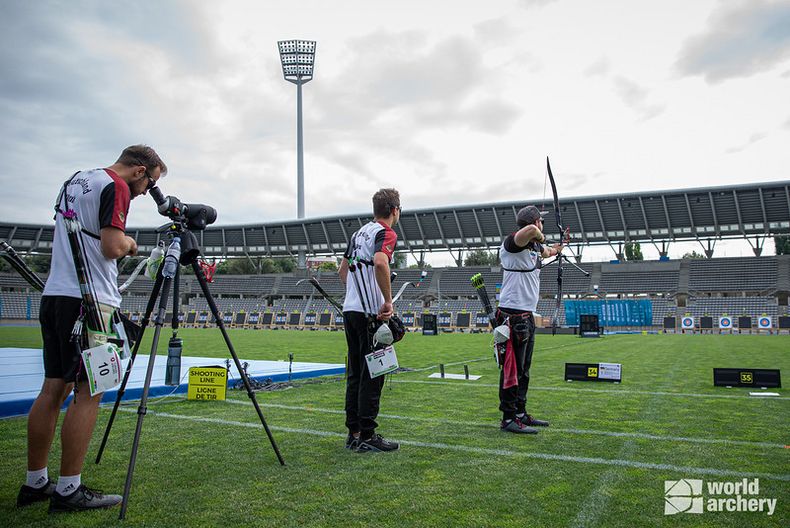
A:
<point x="207" y="294"/>
<point x="146" y="318"/>
<point x="176" y="301"/>
<point x="141" y="410"/>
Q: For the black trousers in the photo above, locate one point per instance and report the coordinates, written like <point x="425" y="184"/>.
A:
<point x="513" y="400"/>
<point x="57" y="316"/>
<point x="363" y="394"/>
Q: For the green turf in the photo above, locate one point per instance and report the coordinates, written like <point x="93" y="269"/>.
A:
<point x="455" y="467"/>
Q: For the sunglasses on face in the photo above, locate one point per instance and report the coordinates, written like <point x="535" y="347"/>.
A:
<point x="151" y="181"/>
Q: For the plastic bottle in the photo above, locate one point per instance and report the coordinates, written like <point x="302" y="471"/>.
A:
<point x="172" y="258"/>
<point x="154" y="261"/>
<point x="173" y="371"/>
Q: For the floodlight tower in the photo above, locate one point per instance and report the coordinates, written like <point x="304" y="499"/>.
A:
<point x="297" y="58"/>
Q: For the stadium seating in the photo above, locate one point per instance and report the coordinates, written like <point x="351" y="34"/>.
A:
<point x="19" y="305"/>
<point x="639" y="278"/>
<point x="750" y="286"/>
<point x="732" y="306"/>
<point x="733" y="275"/>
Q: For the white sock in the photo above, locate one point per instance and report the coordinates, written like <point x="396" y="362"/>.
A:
<point x="38" y="478"/>
<point x="68" y="485"/>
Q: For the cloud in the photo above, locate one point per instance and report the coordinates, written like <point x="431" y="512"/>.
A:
<point x="442" y="74"/>
<point x="599" y="67"/>
<point x="529" y="4"/>
<point x="420" y="88"/>
<point x="496" y="31"/>
<point x="630" y="92"/>
<point x="743" y="38"/>
<point x="635" y="96"/>
<point x="651" y="111"/>
<point x="754" y="138"/>
<point x="87" y="79"/>
<point x="490" y="115"/>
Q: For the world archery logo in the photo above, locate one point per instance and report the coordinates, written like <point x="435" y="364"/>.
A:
<point x="688" y="322"/>
<point x="725" y="322"/>
<point x="764" y="322"/>
<point x="682" y="496"/>
<point x="686" y="496"/>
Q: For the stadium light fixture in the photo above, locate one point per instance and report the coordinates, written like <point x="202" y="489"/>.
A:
<point x="298" y="59"/>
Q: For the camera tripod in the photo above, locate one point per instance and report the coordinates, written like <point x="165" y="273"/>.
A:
<point x="189" y="253"/>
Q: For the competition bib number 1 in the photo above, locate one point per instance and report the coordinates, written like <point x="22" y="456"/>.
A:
<point x="382" y="361"/>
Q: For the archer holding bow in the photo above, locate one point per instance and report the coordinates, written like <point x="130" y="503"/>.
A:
<point x="521" y="253"/>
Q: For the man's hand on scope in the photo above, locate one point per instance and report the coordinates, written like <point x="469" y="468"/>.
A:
<point x="132" y="251"/>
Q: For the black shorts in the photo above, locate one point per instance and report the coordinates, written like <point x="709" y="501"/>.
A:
<point x="57" y="316"/>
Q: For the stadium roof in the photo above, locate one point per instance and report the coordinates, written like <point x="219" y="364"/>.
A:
<point x="753" y="211"/>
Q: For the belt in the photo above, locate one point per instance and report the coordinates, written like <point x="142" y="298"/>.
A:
<point x="513" y="314"/>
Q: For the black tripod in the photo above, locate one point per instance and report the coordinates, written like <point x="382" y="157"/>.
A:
<point x="190" y="251"/>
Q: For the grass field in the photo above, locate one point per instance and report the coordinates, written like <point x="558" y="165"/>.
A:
<point x="603" y="461"/>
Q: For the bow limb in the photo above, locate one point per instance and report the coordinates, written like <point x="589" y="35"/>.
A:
<point x="561" y="228"/>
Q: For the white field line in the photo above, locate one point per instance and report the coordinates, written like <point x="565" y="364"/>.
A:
<point x="550" y="430"/>
<point x="603" y="391"/>
<point x="597" y="502"/>
<point x="685" y="470"/>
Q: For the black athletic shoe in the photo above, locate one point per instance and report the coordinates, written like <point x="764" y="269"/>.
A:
<point x="528" y="419"/>
<point x="351" y="441"/>
<point x="29" y="495"/>
<point x="376" y="444"/>
<point x="515" y="426"/>
<point x="82" y="499"/>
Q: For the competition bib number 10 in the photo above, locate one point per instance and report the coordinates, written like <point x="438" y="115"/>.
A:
<point x="382" y="361"/>
<point x="103" y="367"/>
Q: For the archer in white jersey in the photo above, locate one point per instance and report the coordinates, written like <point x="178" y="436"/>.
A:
<point x="100" y="200"/>
<point x="374" y="237"/>
<point x="520" y="255"/>
<point x="365" y="270"/>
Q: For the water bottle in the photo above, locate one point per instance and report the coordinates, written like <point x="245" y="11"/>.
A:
<point x="173" y="370"/>
<point x="154" y="261"/>
<point x="172" y="258"/>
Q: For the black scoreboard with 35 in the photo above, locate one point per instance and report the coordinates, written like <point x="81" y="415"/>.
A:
<point x="746" y="377"/>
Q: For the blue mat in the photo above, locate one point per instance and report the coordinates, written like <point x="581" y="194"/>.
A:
<point x="23" y="373"/>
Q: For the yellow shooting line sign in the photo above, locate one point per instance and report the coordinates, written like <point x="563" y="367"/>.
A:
<point x="207" y="383"/>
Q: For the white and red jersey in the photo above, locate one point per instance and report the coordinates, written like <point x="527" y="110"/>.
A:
<point x="100" y="198"/>
<point x="372" y="238"/>
<point x="520" y="275"/>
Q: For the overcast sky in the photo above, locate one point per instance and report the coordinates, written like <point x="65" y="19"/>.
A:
<point x="451" y="101"/>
